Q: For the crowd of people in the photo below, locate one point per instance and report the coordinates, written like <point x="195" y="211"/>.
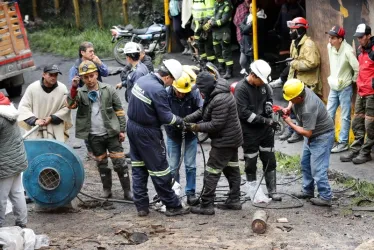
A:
<point x="186" y="100"/>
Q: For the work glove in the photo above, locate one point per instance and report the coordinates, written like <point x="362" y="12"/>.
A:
<point x="206" y="26"/>
<point x="179" y="123"/>
<point x="192" y="127"/>
<point x="271" y="123"/>
<point x="268" y="109"/>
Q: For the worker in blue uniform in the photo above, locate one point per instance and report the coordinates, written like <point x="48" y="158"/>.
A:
<point x="148" y="110"/>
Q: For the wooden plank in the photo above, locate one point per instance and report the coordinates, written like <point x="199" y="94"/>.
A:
<point x="6" y="52"/>
<point x="6" y="47"/>
<point x="4" y="30"/>
<point x="9" y="13"/>
<point x="2" y="22"/>
<point x="5" y="42"/>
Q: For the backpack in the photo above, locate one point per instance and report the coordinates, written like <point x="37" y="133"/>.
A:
<point x="174" y="7"/>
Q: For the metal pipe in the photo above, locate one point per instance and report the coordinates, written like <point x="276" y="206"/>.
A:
<point x="254" y="30"/>
<point x="125" y="13"/>
<point x="30" y="131"/>
<point x="167" y="24"/>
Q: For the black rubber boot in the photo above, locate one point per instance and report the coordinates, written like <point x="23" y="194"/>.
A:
<point x="271" y="184"/>
<point x="361" y="158"/>
<point x="177" y="211"/>
<point x="348" y="156"/>
<point x="106" y="179"/>
<point x="203" y="209"/>
<point x="124" y="179"/>
<point x="231" y="204"/>
<point x="192" y="200"/>
<point x="221" y="68"/>
<point x="229" y="72"/>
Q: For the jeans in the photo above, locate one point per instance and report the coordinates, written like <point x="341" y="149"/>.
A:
<point x="315" y="162"/>
<point x="342" y="98"/>
<point x="245" y="61"/>
<point x="174" y="153"/>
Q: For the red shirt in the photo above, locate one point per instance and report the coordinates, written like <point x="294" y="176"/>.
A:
<point x="240" y="14"/>
<point x="366" y="72"/>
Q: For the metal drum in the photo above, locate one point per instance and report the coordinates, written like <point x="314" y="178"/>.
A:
<point x="55" y="173"/>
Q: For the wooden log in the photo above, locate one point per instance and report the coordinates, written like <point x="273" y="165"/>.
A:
<point x="99" y="13"/>
<point x="77" y="15"/>
<point x="125" y="13"/>
<point x="34" y="9"/>
<point x="259" y="221"/>
<point x="57" y="7"/>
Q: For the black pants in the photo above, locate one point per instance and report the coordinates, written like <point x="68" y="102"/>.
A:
<point x="221" y="160"/>
<point x="182" y="33"/>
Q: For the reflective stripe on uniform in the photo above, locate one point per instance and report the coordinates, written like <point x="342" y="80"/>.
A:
<point x="213" y="170"/>
<point x="253" y="155"/>
<point x="159" y="173"/>
<point x="233" y="164"/>
<point x="203" y="55"/>
<point x="211" y="58"/>
<point x="271" y="149"/>
<point x="173" y="120"/>
<point x="219" y="22"/>
<point x="215" y="42"/>
<point x="120" y="113"/>
<point x="251" y="118"/>
<point x="137" y="164"/>
<point x="137" y="91"/>
<point x="117" y="155"/>
<point x="197" y="37"/>
<point x="221" y="60"/>
<point x="229" y="63"/>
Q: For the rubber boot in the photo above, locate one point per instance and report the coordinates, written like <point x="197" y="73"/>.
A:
<point x="106" y="179"/>
<point x="203" y="209"/>
<point x="124" y="179"/>
<point x="221" y="68"/>
<point x="192" y="200"/>
<point x="231" y="204"/>
<point x="177" y="211"/>
<point x="229" y="72"/>
<point x="271" y="184"/>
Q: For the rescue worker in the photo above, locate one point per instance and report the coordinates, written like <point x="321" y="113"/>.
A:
<point x="219" y="118"/>
<point x="183" y="100"/>
<point x="220" y="24"/>
<point x="148" y="110"/>
<point x="202" y="11"/>
<point x="138" y="69"/>
<point x="319" y="134"/>
<point x="305" y="65"/>
<point x="101" y="121"/>
<point x="254" y="99"/>
<point x="363" y="121"/>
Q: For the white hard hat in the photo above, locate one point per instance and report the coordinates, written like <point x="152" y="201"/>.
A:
<point x="261" y="69"/>
<point x="131" y="47"/>
<point x="174" y="67"/>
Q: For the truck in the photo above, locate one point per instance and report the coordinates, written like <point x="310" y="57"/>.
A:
<point x="15" y="54"/>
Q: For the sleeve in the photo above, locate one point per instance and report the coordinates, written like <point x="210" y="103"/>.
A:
<point x="354" y="64"/>
<point x="148" y="63"/>
<point x="244" y="111"/>
<point x="226" y="17"/>
<point x="31" y="121"/>
<point x="25" y="105"/>
<point x="195" y="116"/>
<point x="269" y="95"/>
<point x="220" y="110"/>
<point x="238" y="12"/>
<point x="118" y="109"/>
<point x="72" y="72"/>
<point x="371" y="53"/>
<point x="55" y="120"/>
<point x="309" y="120"/>
<point x="311" y="58"/>
<point x="72" y="102"/>
<point x="245" y="28"/>
<point x="103" y="69"/>
<point x="163" y="110"/>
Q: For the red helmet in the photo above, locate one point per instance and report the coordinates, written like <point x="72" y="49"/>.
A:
<point x="298" y="22"/>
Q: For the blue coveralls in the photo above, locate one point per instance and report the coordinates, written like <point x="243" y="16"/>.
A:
<point x="148" y="110"/>
<point x="135" y="73"/>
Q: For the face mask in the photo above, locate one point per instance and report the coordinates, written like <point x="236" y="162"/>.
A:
<point x="294" y="35"/>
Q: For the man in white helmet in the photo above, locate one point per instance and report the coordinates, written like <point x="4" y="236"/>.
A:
<point x="138" y="69"/>
<point x="254" y="99"/>
<point x="148" y="110"/>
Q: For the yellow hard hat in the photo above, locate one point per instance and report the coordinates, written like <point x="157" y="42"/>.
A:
<point x="189" y="69"/>
<point x="87" y="67"/>
<point x="183" y="84"/>
<point x="292" y="88"/>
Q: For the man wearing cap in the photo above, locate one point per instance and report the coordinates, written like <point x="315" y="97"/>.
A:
<point x="318" y="132"/>
<point x="219" y="118"/>
<point x="343" y="71"/>
<point x="148" y="110"/>
<point x="43" y="104"/>
<point x="254" y="99"/>
<point x="101" y="121"/>
<point x="363" y="121"/>
<point x="183" y="101"/>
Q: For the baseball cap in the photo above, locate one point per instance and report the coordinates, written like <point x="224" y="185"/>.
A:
<point x="51" y="69"/>
<point x="362" y="29"/>
<point x="336" y="31"/>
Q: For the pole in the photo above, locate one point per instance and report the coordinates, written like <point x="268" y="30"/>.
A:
<point x="76" y="12"/>
<point x="167" y="23"/>
<point x="254" y="30"/>
<point x="99" y="13"/>
<point x="34" y="9"/>
<point x="125" y="13"/>
<point x="57" y="7"/>
<point x="30" y="132"/>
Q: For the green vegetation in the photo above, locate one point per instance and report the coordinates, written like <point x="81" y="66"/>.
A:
<point x="288" y="164"/>
<point x="63" y="41"/>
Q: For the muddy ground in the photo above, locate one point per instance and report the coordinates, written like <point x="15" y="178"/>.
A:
<point x="110" y="226"/>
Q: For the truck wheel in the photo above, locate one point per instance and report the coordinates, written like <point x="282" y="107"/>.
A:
<point x="14" y="91"/>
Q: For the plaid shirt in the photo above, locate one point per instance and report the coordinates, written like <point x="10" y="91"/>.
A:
<point x="240" y="14"/>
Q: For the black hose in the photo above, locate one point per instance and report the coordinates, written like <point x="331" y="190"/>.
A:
<point x="103" y="199"/>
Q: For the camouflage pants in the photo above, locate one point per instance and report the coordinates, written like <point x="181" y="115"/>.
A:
<point x="363" y="123"/>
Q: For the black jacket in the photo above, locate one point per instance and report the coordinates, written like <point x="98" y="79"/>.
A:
<point x="220" y="118"/>
<point x="251" y="103"/>
<point x="246" y="46"/>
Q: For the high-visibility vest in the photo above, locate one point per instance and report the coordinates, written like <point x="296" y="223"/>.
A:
<point x="202" y="9"/>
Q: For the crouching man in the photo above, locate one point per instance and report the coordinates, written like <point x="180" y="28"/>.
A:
<point x="101" y="121"/>
<point x="220" y="120"/>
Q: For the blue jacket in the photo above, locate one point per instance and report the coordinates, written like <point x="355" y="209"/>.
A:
<point x="135" y="73"/>
<point x="149" y="106"/>
<point x="182" y="107"/>
<point x="103" y="71"/>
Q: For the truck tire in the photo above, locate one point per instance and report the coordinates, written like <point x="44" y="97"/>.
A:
<point x="14" y="91"/>
<point x="15" y="87"/>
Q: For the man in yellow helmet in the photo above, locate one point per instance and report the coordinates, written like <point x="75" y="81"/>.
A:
<point x="318" y="131"/>
<point x="101" y="120"/>
<point x="183" y="101"/>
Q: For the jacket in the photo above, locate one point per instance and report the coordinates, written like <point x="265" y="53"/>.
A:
<point x="251" y="102"/>
<point x="149" y="106"/>
<point x="111" y="110"/>
<point x="365" y="79"/>
<point x="12" y="150"/>
<point x="343" y="66"/>
<point x="182" y="107"/>
<point x="135" y="73"/>
<point x="222" y="16"/>
<point x="306" y="64"/>
<point x="201" y="13"/>
<point x="240" y="13"/>
<point x="220" y="118"/>
<point x="247" y="33"/>
<point x="102" y="70"/>
<point x="147" y="61"/>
